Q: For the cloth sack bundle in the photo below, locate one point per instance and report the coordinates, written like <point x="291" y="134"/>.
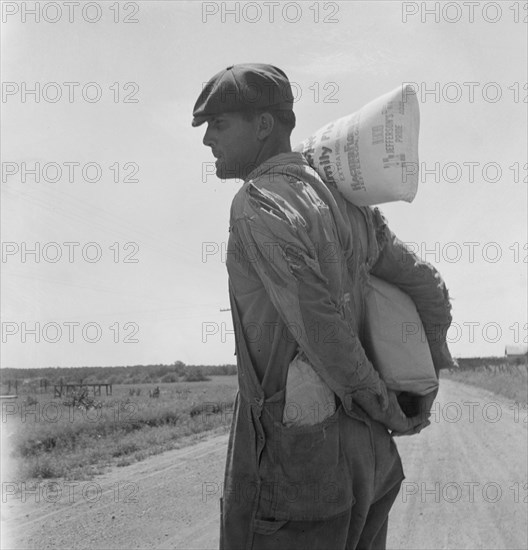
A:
<point x="395" y="340"/>
<point x="308" y="400"/>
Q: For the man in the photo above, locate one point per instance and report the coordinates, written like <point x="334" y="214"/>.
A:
<point x="298" y="257"/>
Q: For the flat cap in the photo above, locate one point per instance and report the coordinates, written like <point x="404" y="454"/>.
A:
<point x="243" y="87"/>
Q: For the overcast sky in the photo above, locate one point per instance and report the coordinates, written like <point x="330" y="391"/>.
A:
<point x="155" y="293"/>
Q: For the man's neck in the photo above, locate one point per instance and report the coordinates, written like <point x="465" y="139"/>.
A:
<point x="271" y="150"/>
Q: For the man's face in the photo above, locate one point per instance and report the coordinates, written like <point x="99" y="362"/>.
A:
<point x="234" y="143"/>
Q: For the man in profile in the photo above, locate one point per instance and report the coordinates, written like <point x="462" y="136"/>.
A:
<point x="298" y="255"/>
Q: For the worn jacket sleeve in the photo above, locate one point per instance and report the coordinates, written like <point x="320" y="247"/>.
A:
<point x="285" y="235"/>
<point x="421" y="281"/>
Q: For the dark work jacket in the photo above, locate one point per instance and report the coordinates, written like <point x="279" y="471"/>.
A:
<point x="298" y="259"/>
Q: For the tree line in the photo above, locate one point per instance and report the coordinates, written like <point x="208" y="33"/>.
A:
<point x="133" y="374"/>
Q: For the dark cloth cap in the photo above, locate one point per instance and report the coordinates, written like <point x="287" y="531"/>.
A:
<point x="243" y="87"/>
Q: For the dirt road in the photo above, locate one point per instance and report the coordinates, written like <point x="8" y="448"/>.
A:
<point x="465" y="487"/>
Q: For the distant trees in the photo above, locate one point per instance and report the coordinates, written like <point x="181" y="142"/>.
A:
<point x="135" y="374"/>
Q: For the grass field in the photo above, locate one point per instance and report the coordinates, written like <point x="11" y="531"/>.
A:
<point x="510" y="381"/>
<point x="45" y="437"/>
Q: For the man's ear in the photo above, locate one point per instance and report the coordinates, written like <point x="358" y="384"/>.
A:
<point x="265" y="126"/>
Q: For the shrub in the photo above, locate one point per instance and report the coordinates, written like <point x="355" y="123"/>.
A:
<point x="197" y="376"/>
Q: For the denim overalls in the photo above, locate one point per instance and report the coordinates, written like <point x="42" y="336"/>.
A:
<point x="297" y="259"/>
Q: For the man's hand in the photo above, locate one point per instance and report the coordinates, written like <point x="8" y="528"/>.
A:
<point x="423" y="405"/>
<point x="414" y="430"/>
<point x="393" y="418"/>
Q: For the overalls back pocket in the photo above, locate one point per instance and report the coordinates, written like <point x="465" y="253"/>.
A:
<point x="303" y="471"/>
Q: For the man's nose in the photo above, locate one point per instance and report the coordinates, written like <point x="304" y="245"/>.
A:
<point x="207" y="139"/>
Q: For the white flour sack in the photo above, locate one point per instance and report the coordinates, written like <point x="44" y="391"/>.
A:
<point x="395" y="340"/>
<point x="371" y="156"/>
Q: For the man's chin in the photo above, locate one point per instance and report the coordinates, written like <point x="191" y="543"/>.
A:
<point x="223" y="173"/>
